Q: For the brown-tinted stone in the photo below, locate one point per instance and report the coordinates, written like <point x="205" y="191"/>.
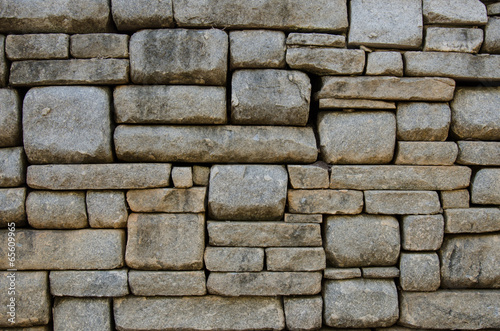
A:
<point x="167" y="283"/>
<point x="325" y="201"/>
<point x="167" y="200"/>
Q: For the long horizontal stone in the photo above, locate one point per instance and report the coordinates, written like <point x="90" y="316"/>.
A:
<point x="393" y="177"/>
<point x="37" y="46"/>
<point x="426" y="153"/>
<point x="326" y="60"/>
<point x="295" y="259"/>
<point x="478" y="152"/>
<point x="167" y="283"/>
<point x="142" y="14"/>
<point x="168" y="200"/>
<point x="402" y="202"/>
<point x="453" y="40"/>
<point x="102" y="283"/>
<point x="387" y="88"/>
<point x="69" y="72"/>
<point x="355" y="104"/>
<point x="99" y="176"/>
<point x="315" y="39"/>
<point x="224" y="144"/>
<point x="65" y="250"/>
<point x="234" y="258"/>
<point x="472" y="220"/>
<point x="199" y="313"/>
<point x="325" y="202"/>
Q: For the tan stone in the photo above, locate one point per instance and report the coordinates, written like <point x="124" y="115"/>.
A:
<point x="295" y="259"/>
<point x="426" y="153"/>
<point x="402" y="202"/>
<point x="167" y="283"/>
<point x="326" y="60"/>
<point x="455" y="199"/>
<point x="234" y="259"/>
<point x="325" y="201"/>
<point x="342" y="273"/>
<point x="303" y="218"/>
<point x="335" y="103"/>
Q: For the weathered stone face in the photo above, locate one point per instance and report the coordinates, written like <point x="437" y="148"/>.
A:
<point x="380" y="272"/>
<point x="308" y="176"/>
<point x="37" y="46"/>
<point x="315" y="39"/>
<point x="402" y="202"/>
<point x="234" y="259"/>
<point x="167" y="283"/>
<point x="486" y="187"/>
<point x="303" y="313"/>
<point x="478" y="153"/>
<point x="384" y="64"/>
<point x="168" y="200"/>
<point x="325" y="202"/>
<point x="423" y="121"/>
<point x="455" y="199"/>
<point x="326" y="60"/>
<point x="182" y="177"/>
<point x="73" y="313"/>
<point x="106" y="209"/>
<point x="342" y="273"/>
<point x="426" y="153"/>
<point x="467" y="12"/>
<point x="4" y="69"/>
<point x="295" y="259"/>
<point x="492" y="36"/>
<point x="10" y="118"/>
<point x="422" y="232"/>
<point x="453" y="40"/>
<point x="12" y="167"/>
<point x="142" y="14"/>
<point x="472" y="220"/>
<point x="256" y="49"/>
<point x="99" y="45"/>
<point x="105" y="283"/>
<point x="12" y="208"/>
<point x="419" y="272"/>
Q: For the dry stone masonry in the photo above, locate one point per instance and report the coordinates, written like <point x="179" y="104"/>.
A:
<point x="249" y="165"/>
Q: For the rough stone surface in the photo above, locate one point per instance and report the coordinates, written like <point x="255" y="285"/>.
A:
<point x="295" y="259"/>
<point x="264" y="234"/>
<point x="422" y="232"/>
<point x="247" y="192"/>
<point x="264" y="283"/>
<point x="308" y="176"/>
<point x="472" y="220"/>
<point x="67" y="124"/>
<point x="99" y="45"/>
<point x="359" y="177"/>
<point x="402" y="202"/>
<point x="453" y="40"/>
<point x="10" y="117"/>
<point x="81" y="314"/>
<point x="419" y="272"/>
<point x="303" y="313"/>
<point x="343" y="137"/>
<point x="492" y="36"/>
<point x="325" y="202"/>
<point x="358" y="303"/>
<point x="493" y="9"/>
<point x="426" y="153"/>
<point x="257" y="49"/>
<point x="479" y="153"/>
<point x="66" y="250"/>
<point x="178" y="104"/>
<point x="486" y="187"/>
<point x="37" y="46"/>
<point x="470" y="261"/>
<point x="234" y="259"/>
<point x="165" y="241"/>
<point x="106" y="209"/>
<point x="326" y="60"/>
<point x="99" y="176"/>
<point x="12" y="209"/>
<point x="216" y="144"/>
<point x="471" y="309"/>
<point x="303" y="218"/>
<point x="69" y="72"/>
<point x="201" y="175"/>
<point x="466" y="12"/>
<point x="342" y="273"/>
<point x="361" y="241"/>
<point x="194" y="57"/>
<point x="12" y="167"/>
<point x="384" y="64"/>
<point x="455" y="199"/>
<point x="198" y="313"/>
<point x="4" y="68"/>
<point x="182" y="177"/>
<point x="381" y="272"/>
<point x="32" y="298"/>
<point x="315" y="39"/>
<point x="56" y="210"/>
<point x="142" y="14"/>
<point x="167" y="283"/>
<point x="355" y="104"/>
<point x="106" y="283"/>
<point x="421" y="121"/>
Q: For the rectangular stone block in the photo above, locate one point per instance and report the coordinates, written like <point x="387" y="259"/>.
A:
<point x="419" y="272"/>
<point x="178" y="104"/>
<point x="380" y="272"/>
<point x="66" y="250"/>
<point x="216" y="144"/>
<point x="107" y="209"/>
<point x="167" y="200"/>
<point x="485" y="187"/>
<point x="142" y="14"/>
<point x="493" y="9"/>
<point x="334" y="103"/>
<point x="12" y="167"/>
<point x="453" y="40"/>
<point x="69" y="72"/>
<point x="198" y="313"/>
<point x="12" y="208"/>
<point x="426" y="153"/>
<point x="394" y="177"/>
<point x="455" y="199"/>
<point x="10" y="116"/>
<point x="422" y="232"/>
<point x="492" y="36"/>
<point x="256" y="49"/>
<point x="325" y="202"/>
<point x="303" y="218"/>
<point x="74" y="313"/>
<point x="167" y="283"/>
<point x="201" y="175"/>
<point x="295" y="259"/>
<point x="423" y="121"/>
<point x="182" y="177"/>
<point x="106" y="283"/>
<point x="99" y="45"/>
<point x="264" y="234"/>
<point x="342" y="273"/>
<point x="37" y="46"/>
<point x="308" y="176"/>
<point x="315" y="39"/>
<point x="303" y="313"/>
<point x="99" y="176"/>
<point x="402" y="202"/>
<point x="326" y="60"/>
<point x="234" y="259"/>
<point x="384" y="64"/>
<point x="264" y="283"/>
<point x="466" y="12"/>
<point x="479" y="153"/>
<point x="472" y="220"/>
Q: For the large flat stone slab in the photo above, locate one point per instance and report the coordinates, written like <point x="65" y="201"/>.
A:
<point x="325" y="202"/>
<point x="479" y="153"/>
<point x="402" y="202"/>
<point x="168" y="200"/>
<point x="167" y="283"/>
<point x="326" y="60"/>
<point x="102" y="283"/>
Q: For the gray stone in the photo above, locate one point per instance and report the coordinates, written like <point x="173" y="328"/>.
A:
<point x="355" y="104"/>
<point x="12" y="208"/>
<point x="67" y="124"/>
<point x="82" y="314"/>
<point x="247" y="192"/>
<point x="303" y="218"/>
<point x="32" y="298"/>
<point x="165" y="241"/>
<point x="342" y="273"/>
<point x="10" y="118"/>
<point x="295" y="259"/>
<point x="479" y="153"/>
<point x="201" y="175"/>
<point x="33" y="328"/>
<point x="4" y="68"/>
<point x="361" y="241"/>
<point x="37" y="46"/>
<point x="216" y="144"/>
<point x="325" y="202"/>
<point x="142" y="14"/>
<point x="194" y="57"/>
<point x="455" y="199"/>
<point x="386" y="24"/>
<point x="99" y="176"/>
<point x="384" y="64"/>
<point x="387" y="88"/>
<point x="56" y="210"/>
<point x="308" y="176"/>
<point x="462" y="66"/>
<point x="320" y="16"/>
<point x="257" y="49"/>
<point x="66" y="250"/>
<point x="234" y="259"/>
<point x="402" y="202"/>
<point x="357" y="303"/>
<point x="426" y="153"/>
<point x="167" y="283"/>
<point x="422" y="232"/>
<point x="199" y="313"/>
<point x="100" y="45"/>
<point x="326" y="60"/>
<point x="264" y="234"/>
<point x="466" y="12"/>
<point x="105" y="283"/>
<point x="182" y="177"/>
<point x="445" y="309"/>
<point x="107" y="209"/>
<point x="12" y="167"/>
<point x="419" y="121"/>
<point x="64" y="16"/>
<point x="472" y="220"/>
<point x="470" y="261"/>
<point x="485" y="187"/>
<point x="419" y="272"/>
<point x="303" y="313"/>
<point x="394" y="177"/>
<point x="493" y="9"/>
<point x="453" y="40"/>
<point x="270" y="96"/>
<point x="315" y="40"/>
<point x="265" y="283"/>
<point x="69" y="72"/>
<point x="381" y="272"/>
<point x="178" y="104"/>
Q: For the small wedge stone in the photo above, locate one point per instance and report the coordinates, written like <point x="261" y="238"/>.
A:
<point x="380" y="272"/>
<point x="455" y="199"/>
<point x="342" y="273"/>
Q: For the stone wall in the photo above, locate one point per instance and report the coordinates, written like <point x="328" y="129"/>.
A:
<point x="249" y="165"/>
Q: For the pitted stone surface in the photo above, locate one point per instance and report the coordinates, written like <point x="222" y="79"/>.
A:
<point x="423" y="121"/>
<point x="142" y="14"/>
<point x="467" y="12"/>
<point x="10" y="118"/>
<point x="76" y="313"/>
<point x="37" y="46"/>
<point x="326" y="60"/>
<point x="167" y="283"/>
<point x="257" y="49"/>
<point x="12" y="207"/>
<point x="102" y="283"/>
<point x="12" y="167"/>
<point x="485" y="187"/>
<point x="99" y="45"/>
